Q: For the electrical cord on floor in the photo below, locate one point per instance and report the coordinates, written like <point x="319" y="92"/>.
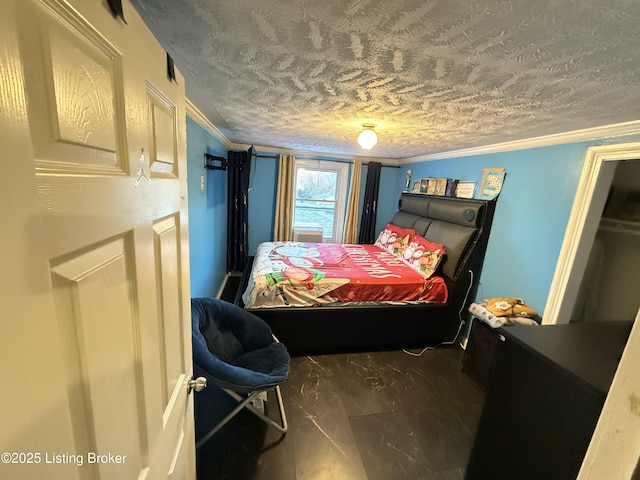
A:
<point x="464" y="302"/>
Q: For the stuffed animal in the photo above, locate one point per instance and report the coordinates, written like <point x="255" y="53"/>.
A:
<point x="509" y="307"/>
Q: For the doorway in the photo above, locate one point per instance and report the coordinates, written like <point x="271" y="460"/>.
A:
<point x="594" y="186"/>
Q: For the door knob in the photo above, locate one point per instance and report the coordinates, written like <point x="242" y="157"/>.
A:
<point x="197" y="384"/>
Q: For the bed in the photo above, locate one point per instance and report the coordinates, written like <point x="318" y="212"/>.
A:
<point x="303" y="274"/>
<point x="317" y="299"/>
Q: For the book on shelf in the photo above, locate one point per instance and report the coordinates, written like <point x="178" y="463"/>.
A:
<point x="443" y="187"/>
<point x="465" y="189"/>
<point x="440" y="187"/>
<point x="452" y="184"/>
<point x="431" y="186"/>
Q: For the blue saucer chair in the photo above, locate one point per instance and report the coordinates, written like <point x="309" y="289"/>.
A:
<point x="238" y="353"/>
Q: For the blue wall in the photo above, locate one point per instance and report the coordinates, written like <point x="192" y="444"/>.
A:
<point x="207" y="214"/>
<point x="388" y="194"/>
<point x="262" y="200"/>
<point x="531" y="213"/>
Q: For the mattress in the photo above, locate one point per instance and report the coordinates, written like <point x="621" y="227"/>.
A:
<point x="313" y="274"/>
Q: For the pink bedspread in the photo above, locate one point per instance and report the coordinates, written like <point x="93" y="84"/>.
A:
<point x="298" y="274"/>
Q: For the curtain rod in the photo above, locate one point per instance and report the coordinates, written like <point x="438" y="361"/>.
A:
<point x="275" y="156"/>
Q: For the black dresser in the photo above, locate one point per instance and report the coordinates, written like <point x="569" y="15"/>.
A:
<point x="546" y="392"/>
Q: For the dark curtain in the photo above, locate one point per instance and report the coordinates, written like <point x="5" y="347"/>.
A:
<point x="370" y="205"/>
<point x="238" y="209"/>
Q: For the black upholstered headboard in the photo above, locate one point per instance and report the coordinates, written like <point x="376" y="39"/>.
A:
<point x="461" y="225"/>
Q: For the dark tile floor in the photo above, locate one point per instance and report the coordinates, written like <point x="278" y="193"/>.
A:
<point x="376" y="416"/>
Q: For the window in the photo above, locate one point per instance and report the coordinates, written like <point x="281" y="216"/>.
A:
<point x="319" y="196"/>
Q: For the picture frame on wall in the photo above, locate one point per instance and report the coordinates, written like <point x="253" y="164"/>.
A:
<point x="492" y="181"/>
<point x="424" y="185"/>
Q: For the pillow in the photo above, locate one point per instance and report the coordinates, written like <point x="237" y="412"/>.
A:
<point x="393" y="239"/>
<point x="422" y="255"/>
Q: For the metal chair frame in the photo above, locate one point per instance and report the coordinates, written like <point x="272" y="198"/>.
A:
<point x="246" y="403"/>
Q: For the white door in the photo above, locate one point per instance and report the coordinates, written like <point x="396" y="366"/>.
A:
<point x="94" y="327"/>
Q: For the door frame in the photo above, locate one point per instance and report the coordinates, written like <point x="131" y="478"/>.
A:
<point x="591" y="196"/>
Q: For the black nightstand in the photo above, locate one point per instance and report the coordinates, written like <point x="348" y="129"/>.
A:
<point x="478" y="357"/>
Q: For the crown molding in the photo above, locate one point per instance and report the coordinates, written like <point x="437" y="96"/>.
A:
<point x="313" y="155"/>
<point x="607" y="131"/>
<point x="200" y="118"/>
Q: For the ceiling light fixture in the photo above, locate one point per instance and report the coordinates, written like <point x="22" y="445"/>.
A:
<point x="367" y="137"/>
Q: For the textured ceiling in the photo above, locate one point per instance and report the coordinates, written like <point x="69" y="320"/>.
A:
<point x="433" y="75"/>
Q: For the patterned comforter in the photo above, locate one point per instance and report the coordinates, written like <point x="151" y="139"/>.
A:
<point x="304" y="274"/>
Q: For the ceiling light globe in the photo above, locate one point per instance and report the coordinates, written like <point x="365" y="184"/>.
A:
<point x="367" y="137"/>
